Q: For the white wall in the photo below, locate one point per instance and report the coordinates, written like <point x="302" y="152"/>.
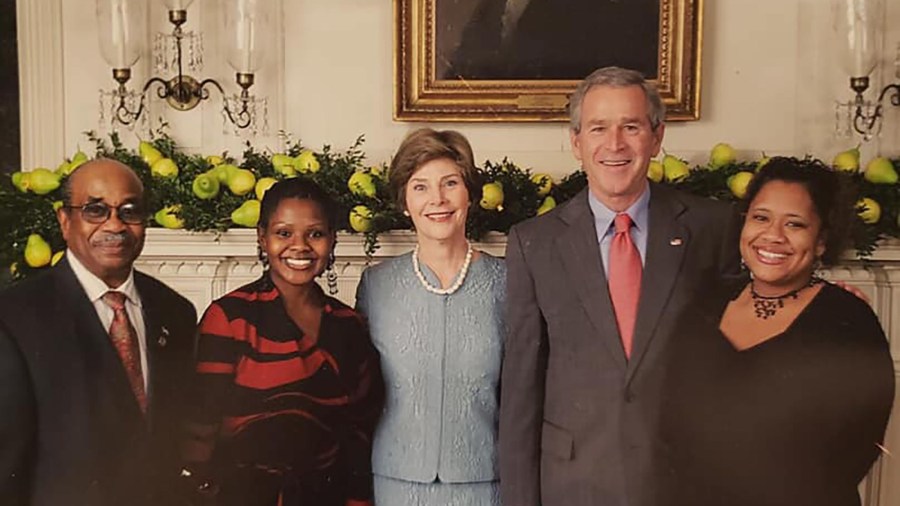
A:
<point x="769" y="83"/>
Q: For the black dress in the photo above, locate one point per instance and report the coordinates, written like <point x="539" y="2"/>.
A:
<point x="795" y="420"/>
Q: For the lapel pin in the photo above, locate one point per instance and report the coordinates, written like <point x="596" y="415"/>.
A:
<point x="675" y="241"/>
<point x="163" y="338"/>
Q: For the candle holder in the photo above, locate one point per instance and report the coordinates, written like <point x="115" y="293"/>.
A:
<point x="182" y="91"/>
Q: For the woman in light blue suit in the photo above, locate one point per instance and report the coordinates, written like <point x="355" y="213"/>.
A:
<point x="436" y="317"/>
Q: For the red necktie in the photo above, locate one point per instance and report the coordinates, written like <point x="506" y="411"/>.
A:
<point x="124" y="338"/>
<point x="624" y="279"/>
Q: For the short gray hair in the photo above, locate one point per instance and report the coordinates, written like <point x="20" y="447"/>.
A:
<point x="616" y="77"/>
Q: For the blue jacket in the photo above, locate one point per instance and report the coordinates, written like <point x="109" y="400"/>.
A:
<point x="440" y="356"/>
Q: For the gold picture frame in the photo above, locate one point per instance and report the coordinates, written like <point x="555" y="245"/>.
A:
<point x="427" y="86"/>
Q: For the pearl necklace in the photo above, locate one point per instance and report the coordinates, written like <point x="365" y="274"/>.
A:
<point x="459" y="277"/>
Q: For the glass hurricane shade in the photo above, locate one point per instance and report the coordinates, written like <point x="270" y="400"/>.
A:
<point x="121" y="31"/>
<point x="857" y="24"/>
<point x="246" y="23"/>
<point x="178" y="5"/>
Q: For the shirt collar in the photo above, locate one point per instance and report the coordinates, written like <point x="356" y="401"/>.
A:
<point x="94" y="287"/>
<point x="604" y="216"/>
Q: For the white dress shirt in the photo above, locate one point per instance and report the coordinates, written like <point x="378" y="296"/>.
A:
<point x="94" y="287"/>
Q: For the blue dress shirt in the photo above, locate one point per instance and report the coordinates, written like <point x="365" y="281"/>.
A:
<point x="603" y="220"/>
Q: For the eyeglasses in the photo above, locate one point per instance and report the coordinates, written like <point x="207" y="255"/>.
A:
<point x="99" y="212"/>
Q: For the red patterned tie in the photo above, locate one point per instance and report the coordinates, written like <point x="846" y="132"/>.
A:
<point x="624" y="279"/>
<point x="124" y="338"/>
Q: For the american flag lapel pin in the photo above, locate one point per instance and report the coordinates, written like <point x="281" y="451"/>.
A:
<point x="676" y="241"/>
<point x="163" y="337"/>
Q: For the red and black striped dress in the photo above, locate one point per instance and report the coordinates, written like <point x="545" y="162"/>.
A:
<point x="283" y="418"/>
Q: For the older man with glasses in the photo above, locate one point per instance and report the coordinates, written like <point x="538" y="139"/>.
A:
<point x="94" y="360"/>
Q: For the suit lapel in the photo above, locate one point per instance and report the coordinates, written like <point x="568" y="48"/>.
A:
<point x="156" y="333"/>
<point x="666" y="243"/>
<point x="580" y="253"/>
<point x="101" y="359"/>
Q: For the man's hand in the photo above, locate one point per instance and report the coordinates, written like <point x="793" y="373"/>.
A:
<point x="854" y="290"/>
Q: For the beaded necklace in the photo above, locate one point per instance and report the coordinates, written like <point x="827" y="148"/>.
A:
<point x="767" y="306"/>
<point x="459" y="277"/>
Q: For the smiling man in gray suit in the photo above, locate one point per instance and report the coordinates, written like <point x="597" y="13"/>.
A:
<point x="594" y="289"/>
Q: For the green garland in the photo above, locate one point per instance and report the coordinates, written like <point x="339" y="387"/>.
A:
<point x="27" y="204"/>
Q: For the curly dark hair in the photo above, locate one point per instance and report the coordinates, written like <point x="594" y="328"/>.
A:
<point x="832" y="196"/>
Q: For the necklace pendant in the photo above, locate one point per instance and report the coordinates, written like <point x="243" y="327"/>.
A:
<point x="766" y="306"/>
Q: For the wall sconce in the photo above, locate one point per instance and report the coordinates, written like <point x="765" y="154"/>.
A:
<point x="122" y="36"/>
<point x="858" y="27"/>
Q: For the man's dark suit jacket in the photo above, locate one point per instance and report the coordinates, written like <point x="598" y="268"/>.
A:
<point x="577" y="418"/>
<point x="559" y="39"/>
<point x="71" y="431"/>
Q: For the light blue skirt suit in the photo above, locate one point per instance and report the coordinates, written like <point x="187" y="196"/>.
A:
<point x="436" y="443"/>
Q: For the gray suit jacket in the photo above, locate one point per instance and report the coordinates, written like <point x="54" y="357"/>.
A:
<point x="576" y="417"/>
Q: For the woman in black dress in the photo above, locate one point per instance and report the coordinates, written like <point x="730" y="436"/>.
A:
<point x="288" y="387"/>
<point x="780" y="388"/>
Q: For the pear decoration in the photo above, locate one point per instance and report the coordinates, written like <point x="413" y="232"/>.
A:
<point x="361" y="183"/>
<point x="43" y="181"/>
<point x="205" y="186"/>
<point x="241" y="181"/>
<point x="492" y="197"/>
<point x="544" y="183"/>
<point x="674" y="169"/>
<point x="722" y="154"/>
<point x="738" y="183"/>
<point x="360" y="219"/>
<point x="149" y="153"/>
<point x="880" y="171"/>
<point x="306" y="162"/>
<point x="263" y="185"/>
<point x="548" y="204"/>
<point x="847" y="161"/>
<point x="37" y="251"/>
<point x="284" y="165"/>
<point x="655" y="171"/>
<point x="247" y="215"/>
<point x="164" y="168"/>
<point x="169" y="217"/>
<point x="869" y="210"/>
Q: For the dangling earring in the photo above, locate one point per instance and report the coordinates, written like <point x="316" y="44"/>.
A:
<point x="331" y="275"/>
<point x="746" y="269"/>
<point x="266" y="280"/>
<point x="263" y="258"/>
<point x="406" y="213"/>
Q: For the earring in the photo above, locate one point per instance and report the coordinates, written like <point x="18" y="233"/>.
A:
<point x="406" y="213"/>
<point x="265" y="280"/>
<point x="331" y="277"/>
<point x="746" y="269"/>
<point x="263" y="257"/>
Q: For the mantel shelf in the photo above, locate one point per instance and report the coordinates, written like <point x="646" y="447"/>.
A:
<point x="242" y="243"/>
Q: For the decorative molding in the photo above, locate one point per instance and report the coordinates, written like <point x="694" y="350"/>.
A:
<point x="41" y="82"/>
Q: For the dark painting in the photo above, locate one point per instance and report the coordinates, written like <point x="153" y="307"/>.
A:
<point x="544" y="39"/>
<point x="10" y="151"/>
